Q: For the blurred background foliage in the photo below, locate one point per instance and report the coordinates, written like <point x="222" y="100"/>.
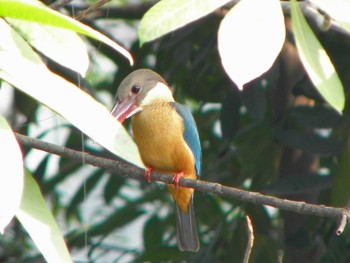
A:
<point x="277" y="137"/>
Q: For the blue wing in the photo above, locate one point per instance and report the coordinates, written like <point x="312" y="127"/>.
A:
<point x="190" y="134"/>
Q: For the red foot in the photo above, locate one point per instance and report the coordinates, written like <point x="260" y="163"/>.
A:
<point x="148" y="174"/>
<point x="176" y="179"/>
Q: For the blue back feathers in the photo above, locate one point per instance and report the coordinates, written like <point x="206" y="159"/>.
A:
<point x="190" y="134"/>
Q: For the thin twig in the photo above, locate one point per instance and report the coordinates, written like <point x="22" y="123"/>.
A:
<point x="250" y="243"/>
<point x="81" y="15"/>
<point x="132" y="11"/>
<point x="59" y="3"/>
<point x="130" y="171"/>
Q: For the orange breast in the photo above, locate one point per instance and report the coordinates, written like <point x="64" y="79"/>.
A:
<point x="158" y="132"/>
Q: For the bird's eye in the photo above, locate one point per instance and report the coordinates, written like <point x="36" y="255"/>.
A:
<point x="135" y="89"/>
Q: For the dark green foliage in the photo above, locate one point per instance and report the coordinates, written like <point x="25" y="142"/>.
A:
<point x="244" y="145"/>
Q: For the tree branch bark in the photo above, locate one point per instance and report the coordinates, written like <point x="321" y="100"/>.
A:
<point x="342" y="215"/>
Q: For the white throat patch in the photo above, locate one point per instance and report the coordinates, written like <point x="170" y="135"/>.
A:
<point x="160" y="92"/>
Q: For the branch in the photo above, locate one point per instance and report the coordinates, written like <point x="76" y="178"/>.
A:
<point x="91" y="9"/>
<point x="130" y="171"/>
<point x="59" y="3"/>
<point x="132" y="11"/>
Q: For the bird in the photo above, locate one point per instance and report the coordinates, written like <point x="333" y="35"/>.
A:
<point x="166" y="135"/>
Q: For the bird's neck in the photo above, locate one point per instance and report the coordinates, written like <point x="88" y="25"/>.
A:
<point x="161" y="93"/>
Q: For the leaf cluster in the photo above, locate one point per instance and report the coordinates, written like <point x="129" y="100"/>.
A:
<point x="281" y="135"/>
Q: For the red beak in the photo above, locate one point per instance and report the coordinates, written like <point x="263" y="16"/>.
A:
<point x="124" y="108"/>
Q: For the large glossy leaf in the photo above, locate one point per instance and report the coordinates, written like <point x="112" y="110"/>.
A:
<point x="250" y="37"/>
<point x="61" y="45"/>
<point x="37" y="219"/>
<point x="11" y="174"/>
<point x="168" y="15"/>
<point x="33" y="10"/>
<point x="31" y="76"/>
<point x="316" y="61"/>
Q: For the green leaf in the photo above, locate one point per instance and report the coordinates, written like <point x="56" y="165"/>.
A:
<point x="169" y="15"/>
<point x="32" y="10"/>
<point x="61" y="45"/>
<point x="37" y="219"/>
<point x="11" y="174"/>
<point x="298" y="184"/>
<point x="341" y="181"/>
<point x="112" y="187"/>
<point x="254" y="99"/>
<point x="250" y="37"/>
<point x="307" y="141"/>
<point x="316" y="61"/>
<point x="30" y="75"/>
<point x="153" y="233"/>
<point x="229" y="116"/>
<point x="318" y="116"/>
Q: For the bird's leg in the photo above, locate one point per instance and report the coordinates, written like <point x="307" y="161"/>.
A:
<point x="176" y="179"/>
<point x="148" y="174"/>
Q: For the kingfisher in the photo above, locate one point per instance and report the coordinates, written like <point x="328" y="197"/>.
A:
<point x="167" y="138"/>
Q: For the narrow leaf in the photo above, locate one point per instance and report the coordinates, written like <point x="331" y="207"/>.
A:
<point x="30" y="75"/>
<point x="341" y="178"/>
<point x="250" y="37"/>
<point x="35" y="11"/>
<point x="169" y="15"/>
<point x="61" y="45"/>
<point x="11" y="174"/>
<point x="230" y="115"/>
<point x="37" y="219"/>
<point x="316" y="61"/>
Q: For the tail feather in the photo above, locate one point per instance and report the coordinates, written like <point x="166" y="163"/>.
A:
<point x="186" y="230"/>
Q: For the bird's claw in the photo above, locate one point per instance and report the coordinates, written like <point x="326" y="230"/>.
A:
<point x="148" y="174"/>
<point x="176" y="179"/>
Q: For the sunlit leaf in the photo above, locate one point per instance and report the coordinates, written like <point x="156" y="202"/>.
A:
<point x="316" y="61"/>
<point x="30" y="75"/>
<point x="11" y="174"/>
<point x="33" y="10"/>
<point x="250" y="37"/>
<point x="61" y="45"/>
<point x="37" y="219"/>
<point x="169" y="15"/>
